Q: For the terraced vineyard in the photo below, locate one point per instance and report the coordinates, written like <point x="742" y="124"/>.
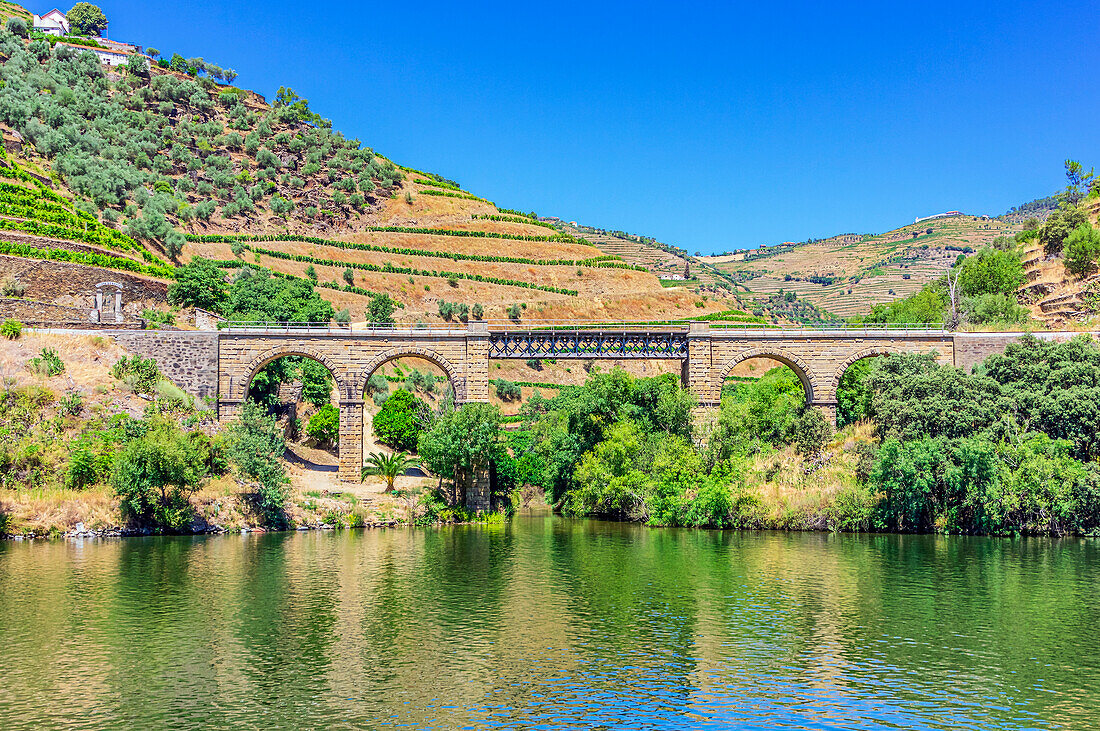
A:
<point x="665" y="264"/>
<point x="848" y="274"/>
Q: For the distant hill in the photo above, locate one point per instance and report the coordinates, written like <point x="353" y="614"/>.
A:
<point x="166" y="162"/>
<point x="849" y="273"/>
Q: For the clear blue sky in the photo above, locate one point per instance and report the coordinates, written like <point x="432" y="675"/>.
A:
<point x="709" y="125"/>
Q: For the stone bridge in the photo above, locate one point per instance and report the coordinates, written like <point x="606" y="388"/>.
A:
<point x="220" y="365"/>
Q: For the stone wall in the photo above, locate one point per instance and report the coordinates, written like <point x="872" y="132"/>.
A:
<point x="187" y="358"/>
<point x="972" y="348"/>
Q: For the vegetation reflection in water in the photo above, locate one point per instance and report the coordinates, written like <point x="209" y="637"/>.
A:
<point x="547" y="620"/>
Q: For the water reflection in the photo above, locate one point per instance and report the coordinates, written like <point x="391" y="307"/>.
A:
<point x="551" y="622"/>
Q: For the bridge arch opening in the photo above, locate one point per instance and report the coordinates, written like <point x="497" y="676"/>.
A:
<point x="401" y="390"/>
<point x="850" y="384"/>
<point x="304" y="392"/>
<point x="756" y="364"/>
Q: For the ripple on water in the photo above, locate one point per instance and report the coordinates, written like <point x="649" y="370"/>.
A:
<point x="550" y="623"/>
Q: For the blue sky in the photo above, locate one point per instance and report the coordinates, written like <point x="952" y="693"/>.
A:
<point x="713" y="126"/>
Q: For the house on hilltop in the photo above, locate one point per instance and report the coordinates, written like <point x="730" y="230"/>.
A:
<point x="53" y="23"/>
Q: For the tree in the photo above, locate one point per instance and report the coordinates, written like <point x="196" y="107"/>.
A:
<point x="199" y="283"/>
<point x="400" y="421"/>
<point x="1076" y="179"/>
<point x="349" y="276"/>
<point x="388" y="466"/>
<point x="153" y="52"/>
<point x="324" y="426"/>
<point x="462" y="441"/>
<point x="138" y="66"/>
<point x="17" y="26"/>
<point x="381" y="308"/>
<point x="155" y="475"/>
<point x="86" y="19"/>
<point x="1082" y="250"/>
<point x="1058" y="226"/>
<point x="229" y="75"/>
<point x="811" y="432"/>
<point x="991" y="272"/>
<point x="316" y="382"/>
<point x="256" y="444"/>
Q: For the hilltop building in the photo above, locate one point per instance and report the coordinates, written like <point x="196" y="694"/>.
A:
<point x="53" y="23"/>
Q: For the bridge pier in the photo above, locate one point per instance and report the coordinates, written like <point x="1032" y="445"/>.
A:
<point x="827" y="409"/>
<point x="351" y="440"/>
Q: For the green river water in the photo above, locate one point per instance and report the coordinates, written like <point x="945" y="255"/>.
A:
<point x="550" y="623"/>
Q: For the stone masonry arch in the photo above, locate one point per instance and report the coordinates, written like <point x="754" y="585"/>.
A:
<point x="805" y="373"/>
<point x="872" y="352"/>
<point x="454" y="374"/>
<point x="241" y="385"/>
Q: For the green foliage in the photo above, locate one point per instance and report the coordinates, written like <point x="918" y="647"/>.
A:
<point x="82" y="468"/>
<point x="141" y="374"/>
<point x="11" y="329"/>
<point x="926" y="306"/>
<point x="316" y="382"/>
<point x="155" y="475"/>
<point x="380" y="310"/>
<point x="17" y="26"/>
<point x="1058" y="226"/>
<point x="86" y="19"/>
<point x="256" y="445"/>
<point x="853" y="395"/>
<point x="200" y="283"/>
<point x="400" y="421"/>
<point x="812" y="431"/>
<point x="995" y="308"/>
<point x="506" y="390"/>
<point x="1082" y="248"/>
<point x="462" y="440"/>
<point x="46" y="363"/>
<point x="324" y="426"/>
<point x="388" y="466"/>
<point x="991" y="272"/>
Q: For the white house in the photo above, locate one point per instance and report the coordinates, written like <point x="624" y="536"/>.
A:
<point x="53" y="23"/>
<point x="106" y="56"/>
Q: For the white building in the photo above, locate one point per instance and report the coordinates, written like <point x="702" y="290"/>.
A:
<point x="53" y="23"/>
<point x="106" y="56"/>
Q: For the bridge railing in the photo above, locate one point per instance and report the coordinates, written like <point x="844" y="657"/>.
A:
<point x="501" y="325"/>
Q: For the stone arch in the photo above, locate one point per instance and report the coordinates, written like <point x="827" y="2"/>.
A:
<point x="800" y="367"/>
<point x="872" y="352"/>
<point x="454" y="374"/>
<point x="282" y="351"/>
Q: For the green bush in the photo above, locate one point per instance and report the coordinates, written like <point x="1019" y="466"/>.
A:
<point x="506" y="390"/>
<point x="1082" y="248"/>
<point x="11" y="329"/>
<point x="812" y="431"/>
<point x="141" y="374"/>
<point x="155" y="475"/>
<point x="47" y="363"/>
<point x="255" y="443"/>
<point x="400" y="421"/>
<point x="324" y="426"/>
<point x="82" y="468"/>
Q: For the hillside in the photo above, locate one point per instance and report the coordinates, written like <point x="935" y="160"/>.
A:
<point x="1053" y="295"/>
<point x="167" y="164"/>
<point x="848" y="274"/>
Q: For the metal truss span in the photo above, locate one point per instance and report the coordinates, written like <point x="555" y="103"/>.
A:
<point x="588" y="344"/>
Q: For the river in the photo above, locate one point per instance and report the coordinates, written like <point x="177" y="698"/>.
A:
<point x="547" y="622"/>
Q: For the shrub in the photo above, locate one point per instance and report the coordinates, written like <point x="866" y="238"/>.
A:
<point x="506" y="390"/>
<point x="11" y="329"/>
<point x="155" y="475"/>
<point x="324" y="426"/>
<point x="377" y="383"/>
<point x="82" y="468"/>
<point x="811" y="432"/>
<point x="477" y="312"/>
<point x="141" y="374"/>
<point x="171" y="396"/>
<point x="47" y="363"/>
<point x="400" y="421"/>
<point x="17" y="26"/>
<point x="1082" y="250"/>
<point x="71" y="404"/>
<point x="256" y="445"/>
<point x="514" y="312"/>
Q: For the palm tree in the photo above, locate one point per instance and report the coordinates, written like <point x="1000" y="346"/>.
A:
<point x="388" y="466"/>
